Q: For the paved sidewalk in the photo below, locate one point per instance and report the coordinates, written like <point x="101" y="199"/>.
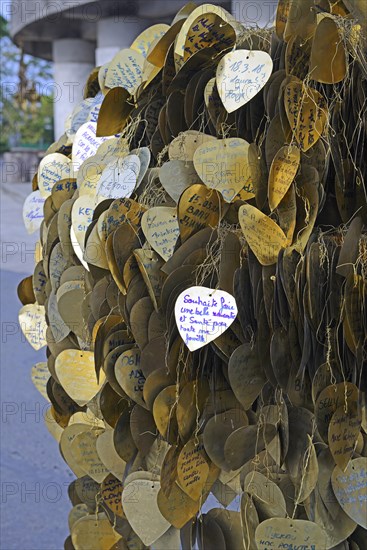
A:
<point x="17" y="247"/>
<point x="34" y="478"/>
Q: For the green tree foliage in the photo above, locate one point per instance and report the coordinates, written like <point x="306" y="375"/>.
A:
<point x="25" y="106"/>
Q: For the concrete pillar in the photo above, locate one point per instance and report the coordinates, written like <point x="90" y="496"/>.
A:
<point x="252" y="13"/>
<point x="161" y="9"/>
<point x="73" y="61"/>
<point x="116" y="33"/>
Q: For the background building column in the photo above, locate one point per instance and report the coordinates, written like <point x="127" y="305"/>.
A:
<point x="73" y="61"/>
<point x="116" y="33"/>
<point x="252" y="13"/>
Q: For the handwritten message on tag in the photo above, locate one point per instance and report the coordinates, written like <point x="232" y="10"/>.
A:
<point x="184" y="146"/>
<point x="148" y="37"/>
<point x="192" y="469"/>
<point x="86" y="143"/>
<point x="40" y="375"/>
<point x="83" y="449"/>
<point x="125" y="70"/>
<point x="203" y="28"/>
<point x="297" y="57"/>
<point x="118" y="179"/>
<point x="208" y="30"/>
<point x="113" y="147"/>
<point x="130" y="376"/>
<point x="79" y="115"/>
<point x="39" y="283"/>
<point x="160" y="227"/>
<point x="76" y="425"/>
<point x="81" y="218"/>
<point x="344" y="429"/>
<point x="223" y="165"/>
<point x="111" y="492"/>
<point x="120" y="211"/>
<point x="202" y="314"/>
<point x="306" y="112"/>
<point x="57" y="266"/>
<point x="96" y="105"/>
<point x="53" y="168"/>
<point x="89" y="175"/>
<point x="198" y="207"/>
<point x="33" y="325"/>
<point x="350" y="489"/>
<point x="102" y="73"/>
<point x="62" y="191"/>
<point x="293" y="534"/>
<point x="33" y="211"/>
<point x="329" y="400"/>
<point x="282" y="172"/>
<point x="263" y="235"/>
<point x="241" y="75"/>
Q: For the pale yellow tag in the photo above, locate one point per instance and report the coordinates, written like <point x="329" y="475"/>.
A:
<point x="160" y="227"/>
<point x="76" y="372"/>
<point x="94" y="532"/>
<point x="241" y="75"/>
<point x="263" y="235"/>
<point x="143" y="513"/>
<point x="83" y="448"/>
<point x="196" y="28"/>
<point x="40" y="376"/>
<point x="328" y="57"/>
<point x="89" y="174"/>
<point x="81" y="218"/>
<point x="67" y="437"/>
<point x="53" y="168"/>
<point x="125" y="70"/>
<point x="108" y="455"/>
<point x="302" y="533"/>
<point x="306" y="112"/>
<point x="33" y="211"/>
<point x="282" y="172"/>
<point x="144" y="41"/>
<point x="192" y="469"/>
<point x="130" y="376"/>
<point x="184" y="146"/>
<point x="223" y="165"/>
<point x="86" y="143"/>
<point x="33" y="325"/>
